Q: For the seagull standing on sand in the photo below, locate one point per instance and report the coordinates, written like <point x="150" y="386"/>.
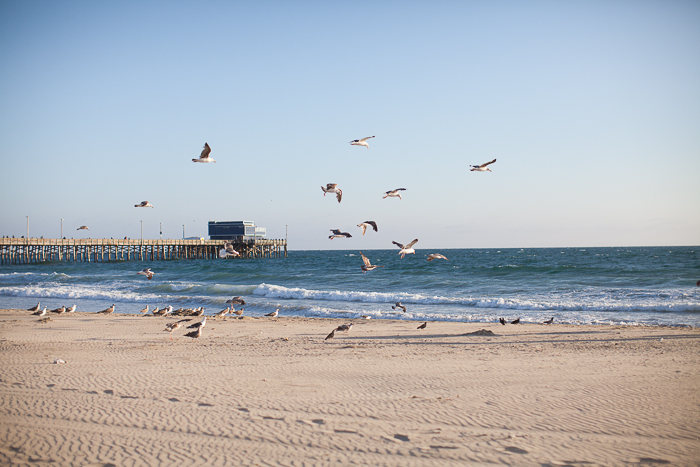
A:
<point x="223" y="313"/>
<point x="147" y="272"/>
<point x="436" y="256"/>
<point x="549" y="321"/>
<point x="515" y="321"/>
<point x="502" y="321"/>
<point x="204" y="156"/>
<point x="274" y="313"/>
<point x="199" y="325"/>
<point x="59" y="311"/>
<point x="71" y="309"/>
<point x="144" y="310"/>
<point x="482" y="167"/>
<point x="338" y="234"/>
<point x="237" y="312"/>
<point x="344" y="327"/>
<point x="330" y="336"/>
<point x="393" y="193"/>
<point x="196" y="334"/>
<point x="368" y="266"/>
<point x="423" y="326"/>
<point x="366" y="224"/>
<point x="35" y="308"/>
<point x="40" y="313"/>
<point x="361" y="142"/>
<point x="333" y="188"/>
<point x="83" y="227"/>
<point x="406" y="249"/>
<point x="144" y="204"/>
<point x="399" y="305"/>
<point x="107" y="311"/>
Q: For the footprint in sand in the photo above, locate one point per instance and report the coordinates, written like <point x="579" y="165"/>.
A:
<point x="174" y="399"/>
<point x="515" y="450"/>
<point x="204" y="404"/>
<point x="401" y="437"/>
<point x="108" y="391"/>
<point x="242" y="409"/>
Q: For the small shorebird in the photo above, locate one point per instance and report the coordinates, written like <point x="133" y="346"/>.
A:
<point x="482" y="167"/>
<point x="144" y="310"/>
<point x="423" y="326"/>
<point x="59" y="311"/>
<point x="274" y="313"/>
<point x="333" y="188"/>
<point x="164" y="311"/>
<point x="236" y="301"/>
<point x="399" y="305"/>
<point x="204" y="156"/>
<point x="199" y="325"/>
<point x="361" y="142"/>
<point x="196" y="334"/>
<point x="35" y="308"/>
<point x="155" y="310"/>
<point x="107" y="311"/>
<point x="549" y="321"/>
<point x="366" y="224"/>
<point x="147" y="272"/>
<point x="515" y="321"/>
<point x="393" y="193"/>
<point x="237" y="312"/>
<point x="406" y="249"/>
<point x="330" y="336"/>
<point x="502" y="321"/>
<point x="368" y="266"/>
<point x="436" y="256"/>
<point x="71" y="309"/>
<point x="338" y="234"/>
<point x="40" y="313"/>
<point x="170" y="327"/>
<point x="83" y="227"/>
<point x="199" y="311"/>
<point x="144" y="204"/>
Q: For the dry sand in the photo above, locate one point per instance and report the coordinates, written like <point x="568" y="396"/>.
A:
<point x="273" y="392"/>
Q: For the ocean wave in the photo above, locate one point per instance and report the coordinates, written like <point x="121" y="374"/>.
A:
<point x="584" y="303"/>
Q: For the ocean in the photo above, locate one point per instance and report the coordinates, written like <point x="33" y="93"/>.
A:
<point x="629" y="286"/>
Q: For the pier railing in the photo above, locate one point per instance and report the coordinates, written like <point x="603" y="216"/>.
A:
<point x="36" y="250"/>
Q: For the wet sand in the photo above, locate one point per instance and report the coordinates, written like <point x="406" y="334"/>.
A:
<point x="274" y="392"/>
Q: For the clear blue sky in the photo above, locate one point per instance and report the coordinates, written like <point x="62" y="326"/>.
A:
<point x="592" y="109"/>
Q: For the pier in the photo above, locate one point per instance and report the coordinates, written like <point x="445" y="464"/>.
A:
<point x="38" y="250"/>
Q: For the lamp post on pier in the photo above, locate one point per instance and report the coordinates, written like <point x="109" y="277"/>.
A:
<point x="61" y="229"/>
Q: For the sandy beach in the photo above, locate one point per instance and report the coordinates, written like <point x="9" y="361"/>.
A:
<point x="261" y="391"/>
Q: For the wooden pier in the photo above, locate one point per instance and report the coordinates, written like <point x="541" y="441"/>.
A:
<point x="38" y="250"/>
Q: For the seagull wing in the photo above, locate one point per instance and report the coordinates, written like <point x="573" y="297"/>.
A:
<point x="488" y="163"/>
<point x="205" y="151"/>
<point x="412" y="243"/>
<point x="373" y="224"/>
<point x="365" y="139"/>
<point x="336" y="232"/>
<point x="363" y="226"/>
<point x="330" y="186"/>
<point x="366" y="260"/>
<point x="398" y="244"/>
<point x="339" y="195"/>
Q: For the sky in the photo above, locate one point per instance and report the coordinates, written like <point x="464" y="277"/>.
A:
<point x="591" y="108"/>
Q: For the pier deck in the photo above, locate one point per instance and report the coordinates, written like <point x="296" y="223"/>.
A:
<point x="37" y="250"/>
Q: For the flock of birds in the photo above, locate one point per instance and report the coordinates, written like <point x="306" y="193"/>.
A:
<point x="228" y="250"/>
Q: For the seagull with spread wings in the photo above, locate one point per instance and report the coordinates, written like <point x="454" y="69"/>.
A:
<point x="83" y="227"/>
<point x="366" y="224"/>
<point x="368" y="266"/>
<point x="361" y="142"/>
<point x="333" y="188"/>
<point x="482" y="167"/>
<point x="393" y="193"/>
<point x="433" y="256"/>
<point x="338" y="234"/>
<point x="204" y="156"/>
<point x="144" y="204"/>
<point x="406" y="249"/>
<point x="147" y="272"/>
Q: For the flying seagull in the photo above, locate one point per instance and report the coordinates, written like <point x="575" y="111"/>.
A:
<point x="144" y="204"/>
<point x="399" y="305"/>
<point x="147" y="272"/>
<point x="393" y="193"/>
<point x="204" y="157"/>
<point x="333" y="188"/>
<point x="338" y="234"/>
<point x="406" y="249"/>
<point x="423" y="326"/>
<point x="228" y="250"/>
<point x="274" y="313"/>
<point x="366" y="224"/>
<point x="368" y="266"/>
<point x="236" y="301"/>
<point x="361" y="142"/>
<point x="83" y="227"/>
<point x="436" y="256"/>
<point x="107" y="311"/>
<point x="482" y="167"/>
